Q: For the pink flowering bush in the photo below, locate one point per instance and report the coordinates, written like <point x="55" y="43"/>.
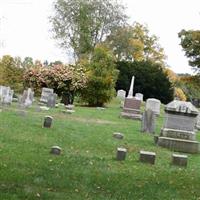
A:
<point x="62" y="78"/>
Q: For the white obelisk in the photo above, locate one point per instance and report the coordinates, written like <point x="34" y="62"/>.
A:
<point x="130" y="93"/>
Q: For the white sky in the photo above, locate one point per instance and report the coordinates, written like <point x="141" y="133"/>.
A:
<point x="24" y="27"/>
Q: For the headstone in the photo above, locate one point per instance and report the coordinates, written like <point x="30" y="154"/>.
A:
<point x="180" y="160"/>
<point x="148" y="121"/>
<point x="147" y="157"/>
<point x="195" y="102"/>
<point x="45" y="93"/>
<point x="69" y="107"/>
<point x="7" y="95"/>
<point x="121" y="153"/>
<point x="198" y="122"/>
<point x="121" y="94"/>
<point x="139" y="96"/>
<point x="27" y="97"/>
<point x="51" y="100"/>
<point x="56" y="150"/>
<point x="154" y="105"/>
<point x="131" y="109"/>
<point x="44" y="108"/>
<point x="130" y="93"/>
<point x="118" y="135"/>
<point x="178" y="132"/>
<point x="48" y="122"/>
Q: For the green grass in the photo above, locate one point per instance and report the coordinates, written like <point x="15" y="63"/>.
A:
<point x="87" y="168"/>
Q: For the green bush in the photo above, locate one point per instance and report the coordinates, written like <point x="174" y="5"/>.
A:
<point x="101" y="78"/>
<point x="150" y="80"/>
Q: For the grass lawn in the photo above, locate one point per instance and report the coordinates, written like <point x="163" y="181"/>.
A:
<point x="87" y="168"/>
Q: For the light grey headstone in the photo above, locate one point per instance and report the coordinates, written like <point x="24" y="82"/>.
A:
<point x="48" y="122"/>
<point x="154" y="105"/>
<point x="51" y="100"/>
<point x="45" y="94"/>
<point x="121" y="94"/>
<point x="139" y="96"/>
<point x="148" y="121"/>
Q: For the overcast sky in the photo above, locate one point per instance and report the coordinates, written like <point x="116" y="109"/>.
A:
<point x="24" y="27"/>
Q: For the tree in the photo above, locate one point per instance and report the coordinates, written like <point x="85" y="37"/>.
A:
<point x="27" y="62"/>
<point x="150" y="80"/>
<point x="134" y="43"/>
<point x="190" y="42"/>
<point x="82" y="24"/>
<point x="11" y="74"/>
<point x="101" y="78"/>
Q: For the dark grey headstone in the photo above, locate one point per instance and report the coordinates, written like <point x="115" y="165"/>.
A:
<point x="118" y="135"/>
<point x="148" y="121"/>
<point x="121" y="153"/>
<point x="180" y="160"/>
<point x="147" y="157"/>
<point x="56" y="150"/>
<point x="51" y="100"/>
<point x="48" y="122"/>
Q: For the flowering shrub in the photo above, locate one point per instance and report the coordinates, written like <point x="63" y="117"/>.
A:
<point x="61" y="78"/>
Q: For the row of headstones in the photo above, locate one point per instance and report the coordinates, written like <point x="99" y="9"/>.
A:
<point x="121" y="94"/>
<point x="150" y="157"/>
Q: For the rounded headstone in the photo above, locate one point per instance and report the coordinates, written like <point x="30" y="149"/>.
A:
<point x="56" y="150"/>
<point x="48" y="122"/>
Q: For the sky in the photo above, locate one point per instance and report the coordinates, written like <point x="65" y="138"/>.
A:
<point x="25" y="27"/>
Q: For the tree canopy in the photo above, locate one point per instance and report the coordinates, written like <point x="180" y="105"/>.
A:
<point x="134" y="43"/>
<point x="190" y="42"/>
<point x="81" y="24"/>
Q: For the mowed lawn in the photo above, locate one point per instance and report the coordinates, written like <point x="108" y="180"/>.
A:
<point x="87" y="168"/>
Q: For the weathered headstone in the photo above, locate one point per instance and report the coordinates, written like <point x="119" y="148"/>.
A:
<point x="56" y="150"/>
<point x="7" y="95"/>
<point x="27" y="98"/>
<point x="51" y="100"/>
<point x="131" y="109"/>
<point x="139" y="96"/>
<point x="198" y="122"/>
<point x="48" y="122"/>
<point x="154" y="105"/>
<point x="121" y="94"/>
<point x="121" y="153"/>
<point x="147" y="157"/>
<point x="180" y="160"/>
<point x="45" y="93"/>
<point x="148" y="121"/>
<point x="178" y="132"/>
<point x="118" y="135"/>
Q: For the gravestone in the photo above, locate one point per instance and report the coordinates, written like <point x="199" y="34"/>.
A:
<point x="27" y="98"/>
<point x="121" y="94"/>
<point x="56" y="150"/>
<point x="48" y="122"/>
<point x="180" y="160"/>
<point x="178" y="132"/>
<point x="121" y="153"/>
<point x="198" y="122"/>
<point x="148" y="121"/>
<point x="45" y="93"/>
<point x="7" y="95"/>
<point x="147" y="157"/>
<point x="139" y="96"/>
<point x="118" y="135"/>
<point x="51" y="100"/>
<point x="195" y="102"/>
<point x="131" y="109"/>
<point x="154" y="105"/>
